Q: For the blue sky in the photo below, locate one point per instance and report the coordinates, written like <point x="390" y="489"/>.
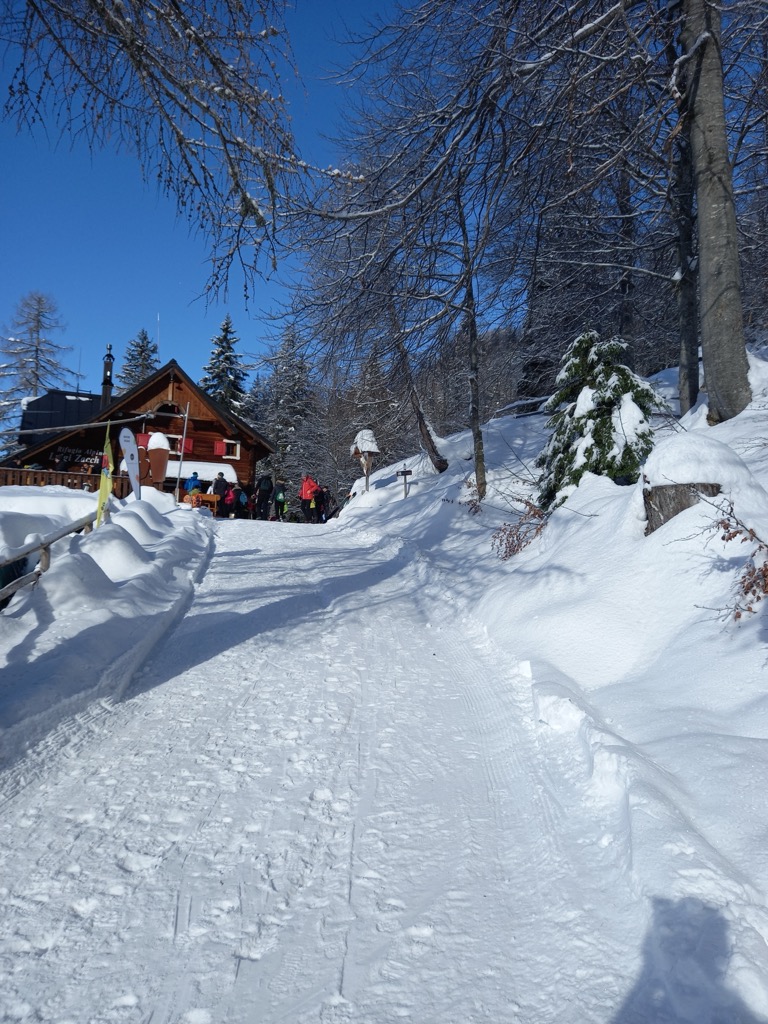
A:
<point x="84" y="229"/>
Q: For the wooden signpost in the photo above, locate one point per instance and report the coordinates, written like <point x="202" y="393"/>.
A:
<point x="405" y="473"/>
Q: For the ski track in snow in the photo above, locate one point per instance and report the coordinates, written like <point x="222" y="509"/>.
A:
<point x="322" y="800"/>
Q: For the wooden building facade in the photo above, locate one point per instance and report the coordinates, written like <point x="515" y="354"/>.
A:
<point x="203" y="436"/>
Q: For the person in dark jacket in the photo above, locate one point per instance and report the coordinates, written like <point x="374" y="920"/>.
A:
<point x="220" y="487"/>
<point x="330" y="508"/>
<point x="264" y="489"/>
<point x="320" y="496"/>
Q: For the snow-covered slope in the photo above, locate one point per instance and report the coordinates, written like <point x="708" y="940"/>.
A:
<point x="368" y="771"/>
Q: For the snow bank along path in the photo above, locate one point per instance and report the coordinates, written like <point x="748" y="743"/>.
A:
<point x="320" y="801"/>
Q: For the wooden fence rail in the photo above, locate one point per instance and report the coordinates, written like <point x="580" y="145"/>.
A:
<point x="21" y="554"/>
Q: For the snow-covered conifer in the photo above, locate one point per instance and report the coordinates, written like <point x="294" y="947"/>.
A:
<point x="140" y="361"/>
<point x="600" y="416"/>
<point x="290" y="415"/>
<point x="30" y="357"/>
<point x="31" y="362"/>
<point x="224" y="375"/>
<point x="253" y="408"/>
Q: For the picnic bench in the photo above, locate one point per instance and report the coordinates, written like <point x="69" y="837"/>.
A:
<point x="202" y="500"/>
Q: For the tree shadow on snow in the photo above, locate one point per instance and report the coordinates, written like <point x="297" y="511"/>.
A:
<point x="686" y="953"/>
<point x="199" y="638"/>
<point x="39" y="692"/>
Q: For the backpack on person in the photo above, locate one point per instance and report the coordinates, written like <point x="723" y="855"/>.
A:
<point x="265" y="485"/>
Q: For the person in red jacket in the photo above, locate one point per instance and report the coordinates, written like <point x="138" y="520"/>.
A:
<point x="307" y="492"/>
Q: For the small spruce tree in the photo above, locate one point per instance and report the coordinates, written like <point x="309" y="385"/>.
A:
<point x="600" y="416"/>
<point x="224" y="375"/>
<point x="140" y="361"/>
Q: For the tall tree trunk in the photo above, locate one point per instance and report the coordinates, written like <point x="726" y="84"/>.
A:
<point x="437" y="459"/>
<point x="474" y="393"/>
<point x="425" y="433"/>
<point x="720" y="313"/>
<point x="688" y="319"/>
<point x="626" y="317"/>
<point x="470" y="326"/>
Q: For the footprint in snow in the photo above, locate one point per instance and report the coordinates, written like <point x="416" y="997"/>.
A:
<point x="134" y="863"/>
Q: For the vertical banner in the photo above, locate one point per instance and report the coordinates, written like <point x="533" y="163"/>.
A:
<point x="131" y="455"/>
<point x="105" y="485"/>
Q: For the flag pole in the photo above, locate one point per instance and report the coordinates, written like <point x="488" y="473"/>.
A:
<point x="181" y="454"/>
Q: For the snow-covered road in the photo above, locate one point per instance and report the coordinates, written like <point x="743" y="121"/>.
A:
<point x="321" y="800"/>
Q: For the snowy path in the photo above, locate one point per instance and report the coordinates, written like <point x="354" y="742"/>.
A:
<point x="322" y="800"/>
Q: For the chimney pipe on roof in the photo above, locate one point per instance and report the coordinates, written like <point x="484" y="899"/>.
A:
<point x="106" y="382"/>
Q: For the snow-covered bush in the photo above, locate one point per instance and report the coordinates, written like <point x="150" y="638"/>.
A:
<point x="599" y="419"/>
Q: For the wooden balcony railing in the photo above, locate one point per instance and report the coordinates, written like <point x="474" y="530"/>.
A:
<point x="121" y="485"/>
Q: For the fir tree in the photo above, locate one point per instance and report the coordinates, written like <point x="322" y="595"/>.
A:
<point x="140" y="361"/>
<point x="290" y="416"/>
<point x="30" y="361"/>
<point x="600" y="419"/>
<point x="253" y="409"/>
<point x="224" y="375"/>
<point x="29" y="354"/>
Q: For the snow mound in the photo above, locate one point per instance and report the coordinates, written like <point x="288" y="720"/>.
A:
<point x="108" y="597"/>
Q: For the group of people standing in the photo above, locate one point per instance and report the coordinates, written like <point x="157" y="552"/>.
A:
<point x="232" y="499"/>
<point x="268" y="500"/>
<point x="265" y="493"/>
<point x="315" y="500"/>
